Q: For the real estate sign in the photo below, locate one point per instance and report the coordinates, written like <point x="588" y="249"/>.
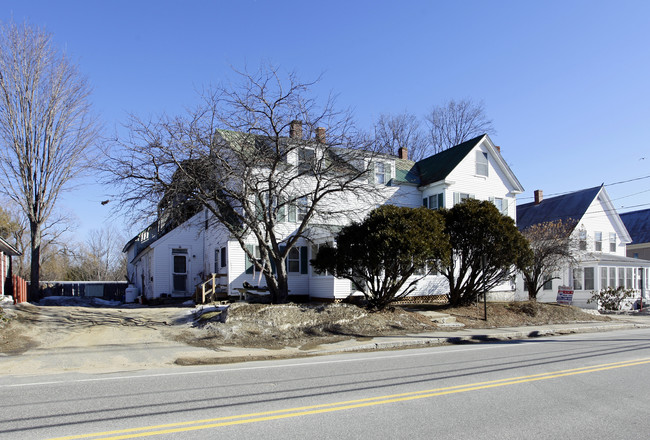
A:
<point x="565" y="295"/>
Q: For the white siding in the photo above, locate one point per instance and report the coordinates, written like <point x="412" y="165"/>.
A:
<point x="187" y="236"/>
<point x="597" y="218"/>
<point x="465" y="180"/>
<point x="341" y="208"/>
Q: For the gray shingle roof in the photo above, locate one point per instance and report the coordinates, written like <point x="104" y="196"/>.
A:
<point x="566" y="207"/>
<point x="637" y="224"/>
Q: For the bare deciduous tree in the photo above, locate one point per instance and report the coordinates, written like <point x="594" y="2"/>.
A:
<point x="401" y="131"/>
<point x="253" y="155"/>
<point x="46" y="127"/>
<point x="102" y="259"/>
<point x="553" y="247"/>
<point x="457" y="121"/>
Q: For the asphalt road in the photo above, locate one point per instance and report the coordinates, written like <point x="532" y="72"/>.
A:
<point x="576" y="387"/>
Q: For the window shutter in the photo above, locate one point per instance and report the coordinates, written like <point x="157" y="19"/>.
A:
<point x="304" y="260"/>
<point x="441" y="203"/>
<point x="505" y="206"/>
<point x="425" y="202"/>
<point x="249" y="262"/>
<point x="371" y="173"/>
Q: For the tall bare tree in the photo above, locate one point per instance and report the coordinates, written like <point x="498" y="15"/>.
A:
<point x="553" y="247"/>
<point x="46" y="127"/>
<point x="393" y="132"/>
<point x="102" y="258"/>
<point x="254" y="154"/>
<point x="457" y="121"/>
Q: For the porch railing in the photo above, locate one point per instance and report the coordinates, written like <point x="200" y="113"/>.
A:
<point x="210" y="289"/>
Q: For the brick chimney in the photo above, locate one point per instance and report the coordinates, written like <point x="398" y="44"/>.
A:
<point x="539" y="196"/>
<point x="403" y="153"/>
<point x="320" y="135"/>
<point x="295" y="129"/>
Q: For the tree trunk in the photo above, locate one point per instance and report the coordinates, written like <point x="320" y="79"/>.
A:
<point x="34" y="280"/>
<point x="279" y="284"/>
<point x="532" y="289"/>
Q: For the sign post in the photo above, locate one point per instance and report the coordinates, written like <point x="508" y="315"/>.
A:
<point x="565" y="295"/>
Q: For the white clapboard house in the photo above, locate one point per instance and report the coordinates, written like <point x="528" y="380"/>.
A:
<point x="601" y="237"/>
<point x="171" y="261"/>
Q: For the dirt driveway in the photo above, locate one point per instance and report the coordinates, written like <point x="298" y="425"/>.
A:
<point x="108" y="338"/>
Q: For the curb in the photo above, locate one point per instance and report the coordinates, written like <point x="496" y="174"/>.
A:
<point x="480" y="338"/>
<point x="421" y="342"/>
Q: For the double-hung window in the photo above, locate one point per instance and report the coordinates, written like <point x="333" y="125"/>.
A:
<point x="589" y="278"/>
<point x="612" y="241"/>
<point x="548" y="282"/>
<point x="293" y="260"/>
<point x="296" y="210"/>
<point x="382" y="173"/>
<point x="577" y="278"/>
<point x="306" y="159"/>
<point x="612" y="278"/>
<point x="481" y="164"/>
<point x="461" y="197"/>
<point x="302" y="208"/>
<point x="598" y="241"/>
<point x="501" y="204"/>
<point x="582" y="240"/>
<point x="433" y="202"/>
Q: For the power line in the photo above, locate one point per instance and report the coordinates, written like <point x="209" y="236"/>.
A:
<point x="604" y="184"/>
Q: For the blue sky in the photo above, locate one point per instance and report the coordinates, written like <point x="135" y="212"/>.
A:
<point x="565" y="82"/>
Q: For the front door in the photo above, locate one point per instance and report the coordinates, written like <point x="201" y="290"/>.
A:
<point x="179" y="273"/>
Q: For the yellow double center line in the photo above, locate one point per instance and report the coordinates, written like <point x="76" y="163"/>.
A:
<point x="196" y="425"/>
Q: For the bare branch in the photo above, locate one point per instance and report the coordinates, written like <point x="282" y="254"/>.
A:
<point x="46" y="126"/>
<point x="456" y="122"/>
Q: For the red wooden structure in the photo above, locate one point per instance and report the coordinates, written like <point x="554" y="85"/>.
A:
<point x="20" y="289"/>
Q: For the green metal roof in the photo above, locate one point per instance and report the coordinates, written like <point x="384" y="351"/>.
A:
<point x="406" y="171"/>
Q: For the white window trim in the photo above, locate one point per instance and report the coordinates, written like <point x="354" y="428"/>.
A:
<point x="482" y="161"/>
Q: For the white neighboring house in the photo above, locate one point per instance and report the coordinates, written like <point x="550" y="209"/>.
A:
<point x="473" y="169"/>
<point x="602" y="239"/>
<point x="167" y="261"/>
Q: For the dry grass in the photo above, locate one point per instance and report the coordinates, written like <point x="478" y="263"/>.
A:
<point x="518" y="314"/>
<point x="256" y="325"/>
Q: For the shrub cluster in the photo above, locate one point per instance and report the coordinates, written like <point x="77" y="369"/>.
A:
<point x="611" y="298"/>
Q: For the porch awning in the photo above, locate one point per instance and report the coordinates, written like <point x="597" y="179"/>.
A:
<point x="605" y="259"/>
